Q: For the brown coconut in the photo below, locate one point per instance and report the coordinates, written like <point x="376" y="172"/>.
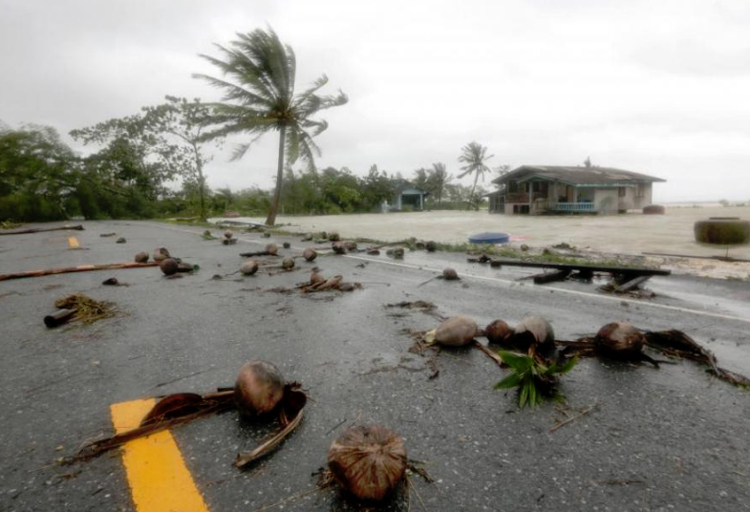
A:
<point x="450" y="274"/>
<point x="272" y="249"/>
<point x="533" y="331"/>
<point x="259" y="388"/>
<point x="339" y="247"/>
<point x="369" y="461"/>
<point x="316" y="277"/>
<point x="249" y="268"/>
<point x="169" y="266"/>
<point x="141" y="257"/>
<point x="498" y="332"/>
<point x="309" y="254"/>
<point x="620" y="339"/>
<point x="334" y="236"/>
<point x="430" y="246"/>
<point x="457" y="331"/>
<point x="161" y="254"/>
<point x="228" y="234"/>
<point x="287" y="263"/>
<point x="350" y="246"/>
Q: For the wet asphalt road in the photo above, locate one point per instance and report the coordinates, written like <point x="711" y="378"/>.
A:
<point x="667" y="439"/>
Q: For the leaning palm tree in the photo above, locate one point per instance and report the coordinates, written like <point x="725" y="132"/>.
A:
<point x="474" y="155"/>
<point x="258" y="83"/>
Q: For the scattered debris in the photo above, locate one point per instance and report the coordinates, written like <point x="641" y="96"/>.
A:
<point x="42" y="230"/>
<point x="557" y="275"/>
<point x="270" y="250"/>
<point x="181" y="408"/>
<point x="581" y="414"/>
<point x="207" y="235"/>
<point x="112" y="281"/>
<point x="535" y="380"/>
<point x="449" y="274"/>
<point x="286" y="245"/>
<point x="161" y="254"/>
<point x="121" y="240"/>
<point x="249" y="268"/>
<point x="368" y="461"/>
<point x="309" y="254"/>
<point x="373" y="252"/>
<point x="80" y="268"/>
<point x="396" y="253"/>
<point x="105" y="235"/>
<point x="79" y="307"/>
<point x="168" y="266"/>
<point x="228" y="241"/>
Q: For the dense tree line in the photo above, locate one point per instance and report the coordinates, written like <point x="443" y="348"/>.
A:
<point x="153" y="163"/>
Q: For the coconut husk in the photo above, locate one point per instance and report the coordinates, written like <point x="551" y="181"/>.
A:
<point x="457" y="331"/>
<point x="369" y="461"/>
<point x="87" y="310"/>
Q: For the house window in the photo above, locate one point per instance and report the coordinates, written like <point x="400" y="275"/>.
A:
<point x="640" y="190"/>
<point x="622" y="191"/>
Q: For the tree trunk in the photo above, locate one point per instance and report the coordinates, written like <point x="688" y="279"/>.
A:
<point x="271" y="220"/>
<point x="201" y="184"/>
<point x="471" y="197"/>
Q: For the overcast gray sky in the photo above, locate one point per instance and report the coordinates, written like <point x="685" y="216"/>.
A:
<point x="659" y="87"/>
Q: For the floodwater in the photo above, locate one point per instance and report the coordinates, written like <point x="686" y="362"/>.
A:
<point x="632" y="233"/>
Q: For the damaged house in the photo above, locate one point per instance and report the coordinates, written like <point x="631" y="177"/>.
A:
<point x="537" y="189"/>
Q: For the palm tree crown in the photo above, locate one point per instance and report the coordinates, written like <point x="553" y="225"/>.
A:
<point x="258" y="84"/>
<point x="474" y="155"/>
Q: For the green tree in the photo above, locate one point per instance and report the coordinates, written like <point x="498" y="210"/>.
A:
<point x="474" y="155"/>
<point x="438" y="179"/>
<point x="258" y="84"/>
<point x="182" y="121"/>
<point x="38" y="174"/>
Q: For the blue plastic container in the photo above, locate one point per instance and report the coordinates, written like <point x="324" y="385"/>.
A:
<point x="489" y="238"/>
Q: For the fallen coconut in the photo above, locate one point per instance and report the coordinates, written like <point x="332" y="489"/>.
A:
<point x="228" y="234"/>
<point x="430" y="246"/>
<point x="338" y="247"/>
<point x="498" y="332"/>
<point x="169" y="266"/>
<point x="620" y="340"/>
<point x="533" y="331"/>
<point x="457" y="331"/>
<point x="334" y="236"/>
<point x="316" y="277"/>
<point x="368" y="461"/>
<point x="350" y="246"/>
<point x="287" y="263"/>
<point x="141" y="257"/>
<point x="161" y="254"/>
<point x="450" y="274"/>
<point x="259" y="388"/>
<point x="286" y="245"/>
<point x="309" y="254"/>
<point x="249" y="268"/>
<point x="272" y="249"/>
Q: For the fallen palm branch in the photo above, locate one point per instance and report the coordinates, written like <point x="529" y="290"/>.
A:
<point x="79" y="268"/>
<point x="574" y="418"/>
<point x="42" y="230"/>
<point x="257" y="384"/>
<point x="292" y="411"/>
<point x="160" y="418"/>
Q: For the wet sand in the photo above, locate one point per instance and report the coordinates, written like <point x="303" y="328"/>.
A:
<point x="631" y="234"/>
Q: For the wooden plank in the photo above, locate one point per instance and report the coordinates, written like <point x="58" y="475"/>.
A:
<point x="632" y="284"/>
<point x="558" y="275"/>
<point x="634" y="271"/>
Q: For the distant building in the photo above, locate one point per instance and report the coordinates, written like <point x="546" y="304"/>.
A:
<point x="407" y="195"/>
<point x="537" y="189"/>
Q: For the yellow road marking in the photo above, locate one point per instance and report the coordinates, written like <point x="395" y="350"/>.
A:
<point x="157" y="475"/>
<point x="73" y="243"/>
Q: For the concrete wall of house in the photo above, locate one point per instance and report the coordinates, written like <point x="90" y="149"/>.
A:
<point x="606" y="200"/>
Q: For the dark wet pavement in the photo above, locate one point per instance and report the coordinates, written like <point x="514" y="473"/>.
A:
<point x="667" y="439"/>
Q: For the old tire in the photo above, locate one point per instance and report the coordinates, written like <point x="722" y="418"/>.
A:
<point x="654" y="209"/>
<point x="722" y="232"/>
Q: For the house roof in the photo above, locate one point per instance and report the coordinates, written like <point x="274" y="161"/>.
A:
<point x="576" y="175"/>
<point x="402" y="186"/>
